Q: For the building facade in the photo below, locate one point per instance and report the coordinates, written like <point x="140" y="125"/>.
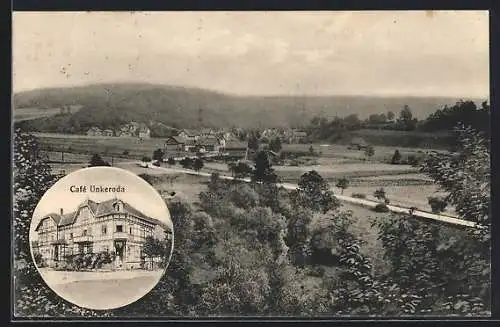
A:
<point x="112" y="226"/>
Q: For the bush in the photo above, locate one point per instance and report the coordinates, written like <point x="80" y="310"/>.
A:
<point x="396" y="158"/>
<point x="39" y="260"/>
<point x="156" y="163"/>
<point x="437" y="204"/>
<point x="381" y="207"/>
<point x="318" y="271"/>
<point x="413" y="160"/>
<point x="171" y="161"/>
<point x="359" y="195"/>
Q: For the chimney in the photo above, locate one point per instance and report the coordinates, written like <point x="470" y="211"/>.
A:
<point x="61" y="211"/>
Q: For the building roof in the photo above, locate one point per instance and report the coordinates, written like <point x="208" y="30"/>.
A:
<point x="98" y="209"/>
<point x="209" y="140"/>
<point x="189" y="132"/>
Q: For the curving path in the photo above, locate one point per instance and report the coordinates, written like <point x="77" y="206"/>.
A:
<point x="363" y="202"/>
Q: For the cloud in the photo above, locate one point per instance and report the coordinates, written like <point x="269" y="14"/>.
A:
<point x="257" y="52"/>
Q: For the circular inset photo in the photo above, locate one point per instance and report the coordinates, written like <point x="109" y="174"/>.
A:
<point x="101" y="237"/>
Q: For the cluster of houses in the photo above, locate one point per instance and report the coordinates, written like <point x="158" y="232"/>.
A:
<point x="206" y="140"/>
<point x="132" y="129"/>
<point x="286" y="135"/>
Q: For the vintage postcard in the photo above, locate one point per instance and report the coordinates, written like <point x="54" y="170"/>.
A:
<point x="251" y="164"/>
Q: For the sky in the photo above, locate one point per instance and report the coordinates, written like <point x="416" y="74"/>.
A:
<point x="438" y="53"/>
<point x="139" y="194"/>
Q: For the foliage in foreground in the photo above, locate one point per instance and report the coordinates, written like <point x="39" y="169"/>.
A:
<point x="255" y="249"/>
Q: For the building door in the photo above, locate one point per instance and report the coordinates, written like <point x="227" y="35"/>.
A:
<point x="56" y="252"/>
<point x="120" y="252"/>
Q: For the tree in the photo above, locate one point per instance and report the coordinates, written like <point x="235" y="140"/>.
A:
<point x="253" y="141"/>
<point x="342" y="183"/>
<point x="314" y="193"/>
<point x="263" y="171"/>
<point x="186" y="163"/>
<point x="275" y="144"/>
<point x="377" y="118"/>
<point x="96" y="160"/>
<point x="158" y="155"/>
<point x="369" y="151"/>
<point x="154" y="248"/>
<point x="379" y="194"/>
<point x="203" y="230"/>
<point x="171" y="161"/>
<point x="437" y="204"/>
<point x="406" y="115"/>
<point x="465" y="175"/>
<point x="406" y="119"/>
<point x="396" y="158"/>
<point x="390" y="115"/>
<point x="146" y="159"/>
<point x="32" y="177"/>
<point x="242" y="170"/>
<point x="198" y="164"/>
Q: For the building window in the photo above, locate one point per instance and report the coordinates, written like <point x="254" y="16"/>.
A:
<point x="70" y="236"/>
<point x="104" y="230"/>
<point x="84" y="232"/>
<point x="119" y="228"/>
<point x="130" y="230"/>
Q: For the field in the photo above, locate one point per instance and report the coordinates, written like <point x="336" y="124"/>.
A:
<point x="403" y="184"/>
<point x="20" y="114"/>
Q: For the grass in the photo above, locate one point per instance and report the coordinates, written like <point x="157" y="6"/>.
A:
<point x="382" y="153"/>
<point x="106" y="145"/>
<point x="21" y="114"/>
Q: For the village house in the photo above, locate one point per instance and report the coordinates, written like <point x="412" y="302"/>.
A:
<point x="112" y="226"/>
<point x="134" y="129"/>
<point x="180" y="144"/>
<point x="210" y="143"/>
<point x="207" y="132"/>
<point x="143" y="131"/>
<point x="296" y="136"/>
<point x="108" y="132"/>
<point x="189" y="134"/>
<point x="94" y="131"/>
<point x="204" y="144"/>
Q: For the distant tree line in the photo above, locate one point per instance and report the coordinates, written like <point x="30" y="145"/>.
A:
<point x="443" y="120"/>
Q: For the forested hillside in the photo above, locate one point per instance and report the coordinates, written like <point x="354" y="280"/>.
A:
<point x="108" y="105"/>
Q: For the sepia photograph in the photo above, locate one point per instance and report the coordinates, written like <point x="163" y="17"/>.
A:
<point x="92" y="245"/>
<point x="320" y="164"/>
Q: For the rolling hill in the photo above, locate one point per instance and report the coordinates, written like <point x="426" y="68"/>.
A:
<point x="111" y="104"/>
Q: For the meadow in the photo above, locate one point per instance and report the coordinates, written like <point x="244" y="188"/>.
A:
<point x="403" y="184"/>
<point x="28" y="113"/>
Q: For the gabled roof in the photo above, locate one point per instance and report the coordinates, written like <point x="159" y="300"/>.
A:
<point x="55" y="217"/>
<point x="209" y="140"/>
<point x="98" y="209"/>
<point x="176" y="139"/>
<point x="189" y="132"/>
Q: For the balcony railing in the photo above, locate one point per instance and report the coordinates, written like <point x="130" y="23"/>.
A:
<point x="58" y="242"/>
<point x="121" y="236"/>
<point x="83" y="238"/>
